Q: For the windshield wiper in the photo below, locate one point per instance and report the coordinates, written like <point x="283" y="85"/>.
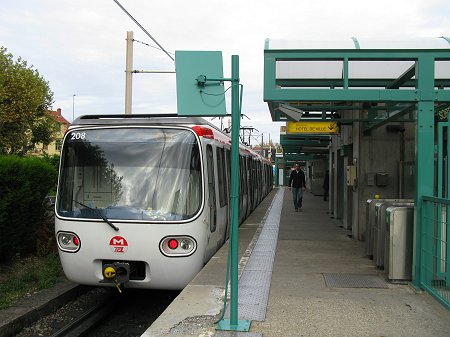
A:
<point x="99" y="213"/>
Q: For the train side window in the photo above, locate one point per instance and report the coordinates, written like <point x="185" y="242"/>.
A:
<point x="222" y="177"/>
<point x="211" y="188"/>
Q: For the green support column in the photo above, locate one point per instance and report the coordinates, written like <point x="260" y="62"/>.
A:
<point x="233" y="324"/>
<point x="424" y="157"/>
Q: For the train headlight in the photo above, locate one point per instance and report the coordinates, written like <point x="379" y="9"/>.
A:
<point x="68" y="242"/>
<point x="178" y="246"/>
<point x="186" y="244"/>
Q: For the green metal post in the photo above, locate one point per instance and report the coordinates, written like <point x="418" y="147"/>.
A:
<point x="424" y="142"/>
<point x="235" y="122"/>
<point x="345" y="73"/>
<point x="233" y="324"/>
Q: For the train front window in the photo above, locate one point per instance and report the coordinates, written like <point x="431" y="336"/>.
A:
<point x="130" y="174"/>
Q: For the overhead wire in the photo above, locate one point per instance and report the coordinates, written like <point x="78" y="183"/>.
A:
<point x="143" y="29"/>
<point x="149" y="45"/>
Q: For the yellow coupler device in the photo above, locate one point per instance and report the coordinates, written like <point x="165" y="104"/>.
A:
<point x="117" y="273"/>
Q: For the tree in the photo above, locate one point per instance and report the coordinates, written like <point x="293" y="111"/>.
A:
<point x="25" y="98"/>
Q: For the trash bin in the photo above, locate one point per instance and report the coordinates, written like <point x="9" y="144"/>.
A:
<point x="370" y="223"/>
<point x="399" y="243"/>
<point x="380" y="227"/>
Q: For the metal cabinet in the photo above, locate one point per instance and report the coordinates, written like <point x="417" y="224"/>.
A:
<point x="399" y="243"/>
<point x="380" y="228"/>
<point x="371" y="224"/>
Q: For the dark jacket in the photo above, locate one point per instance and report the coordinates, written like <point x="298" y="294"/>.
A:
<point x="297" y="179"/>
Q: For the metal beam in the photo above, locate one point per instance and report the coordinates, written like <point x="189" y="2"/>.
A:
<point x="403" y="78"/>
<point x="345" y="95"/>
<point x="393" y="117"/>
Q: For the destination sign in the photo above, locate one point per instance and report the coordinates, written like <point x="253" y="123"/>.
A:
<point x="312" y="127"/>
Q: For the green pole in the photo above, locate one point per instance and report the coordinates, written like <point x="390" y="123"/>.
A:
<point x="235" y="123"/>
<point x="424" y="178"/>
<point x="233" y="324"/>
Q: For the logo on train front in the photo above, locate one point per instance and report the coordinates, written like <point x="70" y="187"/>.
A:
<point x="118" y="244"/>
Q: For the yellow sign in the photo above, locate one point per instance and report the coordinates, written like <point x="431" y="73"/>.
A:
<point x="312" y="127"/>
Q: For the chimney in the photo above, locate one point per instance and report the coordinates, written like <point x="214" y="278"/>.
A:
<point x="58" y="111"/>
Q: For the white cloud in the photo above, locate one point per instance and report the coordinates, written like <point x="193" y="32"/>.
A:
<point x="79" y="47"/>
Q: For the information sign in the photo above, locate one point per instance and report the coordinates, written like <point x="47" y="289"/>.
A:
<point x="312" y="127"/>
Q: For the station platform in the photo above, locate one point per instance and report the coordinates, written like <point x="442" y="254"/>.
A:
<point x="301" y="274"/>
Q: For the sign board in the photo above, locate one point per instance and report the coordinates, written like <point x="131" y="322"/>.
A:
<point x="207" y="99"/>
<point x="312" y="127"/>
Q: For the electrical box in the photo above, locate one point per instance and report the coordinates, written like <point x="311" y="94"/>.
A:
<point x="351" y="175"/>
<point x="381" y="179"/>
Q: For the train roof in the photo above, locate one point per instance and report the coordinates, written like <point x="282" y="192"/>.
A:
<point x="124" y="119"/>
<point x="155" y="119"/>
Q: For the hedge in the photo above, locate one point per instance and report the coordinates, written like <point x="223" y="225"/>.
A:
<point x="24" y="185"/>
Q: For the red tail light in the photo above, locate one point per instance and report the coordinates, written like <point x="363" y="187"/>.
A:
<point x="178" y="246"/>
<point x="202" y="131"/>
<point x="173" y="244"/>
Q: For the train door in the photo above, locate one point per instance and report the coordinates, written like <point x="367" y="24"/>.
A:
<point x="242" y="189"/>
<point x="211" y="200"/>
<point x="258" y="165"/>
<point x="228" y="185"/>
<point x="252" y="184"/>
<point x="248" y="186"/>
<point x="222" y="205"/>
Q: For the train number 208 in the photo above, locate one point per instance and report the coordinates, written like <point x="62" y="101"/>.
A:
<point x="78" y="135"/>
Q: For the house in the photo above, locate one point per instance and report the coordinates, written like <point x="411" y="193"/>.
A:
<point x="55" y="146"/>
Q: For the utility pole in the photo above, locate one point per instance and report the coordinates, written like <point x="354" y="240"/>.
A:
<point x="129" y="73"/>
<point x="262" y="144"/>
<point x="73" y="107"/>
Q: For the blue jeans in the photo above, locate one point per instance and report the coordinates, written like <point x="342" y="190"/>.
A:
<point x="297" y="193"/>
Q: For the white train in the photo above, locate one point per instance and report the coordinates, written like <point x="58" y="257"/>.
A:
<point x="143" y="201"/>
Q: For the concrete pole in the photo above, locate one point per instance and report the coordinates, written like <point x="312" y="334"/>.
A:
<point x="129" y="73"/>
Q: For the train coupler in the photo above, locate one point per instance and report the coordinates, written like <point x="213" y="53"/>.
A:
<point x="117" y="273"/>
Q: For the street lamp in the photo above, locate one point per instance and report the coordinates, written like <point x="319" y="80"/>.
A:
<point x="73" y="107"/>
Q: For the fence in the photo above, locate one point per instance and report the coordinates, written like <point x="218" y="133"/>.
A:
<point x="435" y="248"/>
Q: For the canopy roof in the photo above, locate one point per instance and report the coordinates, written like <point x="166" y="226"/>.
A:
<point x="383" y="80"/>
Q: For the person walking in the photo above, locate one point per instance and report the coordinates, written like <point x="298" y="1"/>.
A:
<point x="297" y="184"/>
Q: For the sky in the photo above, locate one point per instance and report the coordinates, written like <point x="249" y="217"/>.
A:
<point x="79" y="46"/>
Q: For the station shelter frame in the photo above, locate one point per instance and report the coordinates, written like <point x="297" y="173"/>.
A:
<point x="421" y="90"/>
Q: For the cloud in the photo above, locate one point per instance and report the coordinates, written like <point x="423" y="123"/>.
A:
<point x="79" y="47"/>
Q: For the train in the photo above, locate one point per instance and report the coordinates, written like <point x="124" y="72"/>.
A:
<point x="143" y="201"/>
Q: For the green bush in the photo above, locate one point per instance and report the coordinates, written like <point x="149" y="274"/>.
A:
<point x="52" y="159"/>
<point x="24" y="184"/>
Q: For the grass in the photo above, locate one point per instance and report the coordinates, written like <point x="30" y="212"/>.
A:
<point x="27" y="276"/>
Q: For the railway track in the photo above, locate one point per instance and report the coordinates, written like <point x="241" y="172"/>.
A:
<point x="103" y="312"/>
<point x="85" y="323"/>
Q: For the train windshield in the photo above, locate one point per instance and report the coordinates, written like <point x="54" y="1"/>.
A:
<point x="149" y="174"/>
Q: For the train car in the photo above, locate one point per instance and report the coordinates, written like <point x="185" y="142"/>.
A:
<point x="143" y="201"/>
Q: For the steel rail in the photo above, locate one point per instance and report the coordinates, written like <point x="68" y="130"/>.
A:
<point x="90" y="319"/>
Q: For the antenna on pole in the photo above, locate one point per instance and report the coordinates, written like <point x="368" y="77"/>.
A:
<point x="143" y="29"/>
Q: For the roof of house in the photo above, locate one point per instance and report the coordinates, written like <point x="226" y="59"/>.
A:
<point x="58" y="117"/>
